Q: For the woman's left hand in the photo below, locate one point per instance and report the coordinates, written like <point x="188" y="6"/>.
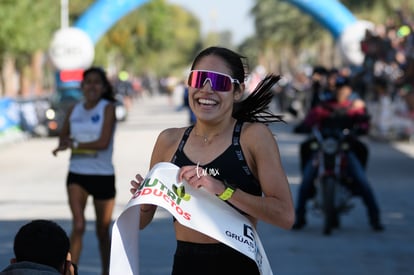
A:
<point x="196" y="176"/>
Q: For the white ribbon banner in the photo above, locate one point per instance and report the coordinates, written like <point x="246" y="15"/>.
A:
<point x="194" y="208"/>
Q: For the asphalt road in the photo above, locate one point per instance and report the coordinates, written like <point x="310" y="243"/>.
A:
<point x="32" y="186"/>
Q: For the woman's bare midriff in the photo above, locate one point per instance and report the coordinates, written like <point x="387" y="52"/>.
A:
<point x="186" y="234"/>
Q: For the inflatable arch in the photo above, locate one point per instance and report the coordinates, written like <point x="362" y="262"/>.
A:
<point x="340" y="22"/>
<point x="103" y="14"/>
<point x="335" y="17"/>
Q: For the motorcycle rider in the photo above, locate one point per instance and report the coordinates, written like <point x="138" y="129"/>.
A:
<point x="352" y="109"/>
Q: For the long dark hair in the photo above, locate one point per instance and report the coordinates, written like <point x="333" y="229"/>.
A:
<point x="255" y="107"/>
<point x="109" y="93"/>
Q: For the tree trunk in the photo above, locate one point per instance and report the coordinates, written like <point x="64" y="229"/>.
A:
<point x="25" y="76"/>
<point x="9" y="76"/>
<point x="37" y="73"/>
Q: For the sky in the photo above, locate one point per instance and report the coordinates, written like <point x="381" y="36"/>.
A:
<point x="222" y="15"/>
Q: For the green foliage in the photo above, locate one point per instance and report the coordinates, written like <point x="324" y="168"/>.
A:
<point x="280" y="26"/>
<point x="77" y="7"/>
<point x="157" y="37"/>
<point x="163" y="38"/>
<point x="27" y="26"/>
<point x="378" y="11"/>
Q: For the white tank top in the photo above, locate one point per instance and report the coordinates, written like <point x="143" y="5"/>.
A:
<point x="86" y="126"/>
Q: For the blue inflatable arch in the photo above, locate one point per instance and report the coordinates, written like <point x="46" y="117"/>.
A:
<point x="340" y="22"/>
<point x="103" y="14"/>
<point x="331" y="14"/>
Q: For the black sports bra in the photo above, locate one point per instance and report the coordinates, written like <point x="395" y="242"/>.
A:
<point x="230" y="165"/>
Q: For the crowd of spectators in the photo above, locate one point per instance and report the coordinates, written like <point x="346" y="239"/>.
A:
<point x="385" y="79"/>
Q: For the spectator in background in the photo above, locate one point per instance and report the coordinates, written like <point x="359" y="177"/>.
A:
<point x="88" y="131"/>
<point x="191" y="116"/>
<point x="124" y="91"/>
<point x="41" y="247"/>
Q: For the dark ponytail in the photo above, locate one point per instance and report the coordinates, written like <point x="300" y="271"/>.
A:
<point x="255" y="107"/>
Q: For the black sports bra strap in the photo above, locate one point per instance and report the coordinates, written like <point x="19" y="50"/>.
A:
<point x="237" y="147"/>
<point x="182" y="143"/>
<point x="185" y="137"/>
<point x="237" y="133"/>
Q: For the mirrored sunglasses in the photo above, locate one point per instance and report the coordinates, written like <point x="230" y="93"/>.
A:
<point x="218" y="81"/>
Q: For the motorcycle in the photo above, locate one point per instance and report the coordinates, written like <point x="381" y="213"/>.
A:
<point x="329" y="146"/>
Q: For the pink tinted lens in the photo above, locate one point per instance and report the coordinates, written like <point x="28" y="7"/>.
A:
<point x="219" y="82"/>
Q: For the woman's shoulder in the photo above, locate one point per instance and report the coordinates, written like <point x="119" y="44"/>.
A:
<point x="255" y="126"/>
<point x="257" y="140"/>
<point x="255" y="131"/>
<point x="166" y="144"/>
<point x="173" y="131"/>
<point x="171" y="135"/>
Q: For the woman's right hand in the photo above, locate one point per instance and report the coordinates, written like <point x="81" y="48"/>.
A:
<point x="146" y="210"/>
<point x="63" y="145"/>
<point x="136" y="183"/>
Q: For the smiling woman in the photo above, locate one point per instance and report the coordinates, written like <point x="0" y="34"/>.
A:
<point x="221" y="154"/>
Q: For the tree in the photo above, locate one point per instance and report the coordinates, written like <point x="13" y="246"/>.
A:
<point x="157" y="37"/>
<point x="26" y="29"/>
<point x="378" y="11"/>
<point x="282" y="28"/>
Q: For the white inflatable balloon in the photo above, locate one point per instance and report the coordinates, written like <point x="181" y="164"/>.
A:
<point x="71" y="48"/>
<point x="349" y="42"/>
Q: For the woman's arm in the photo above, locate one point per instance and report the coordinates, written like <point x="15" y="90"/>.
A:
<point x="163" y="151"/>
<point x="263" y="157"/>
<point x="65" y="141"/>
